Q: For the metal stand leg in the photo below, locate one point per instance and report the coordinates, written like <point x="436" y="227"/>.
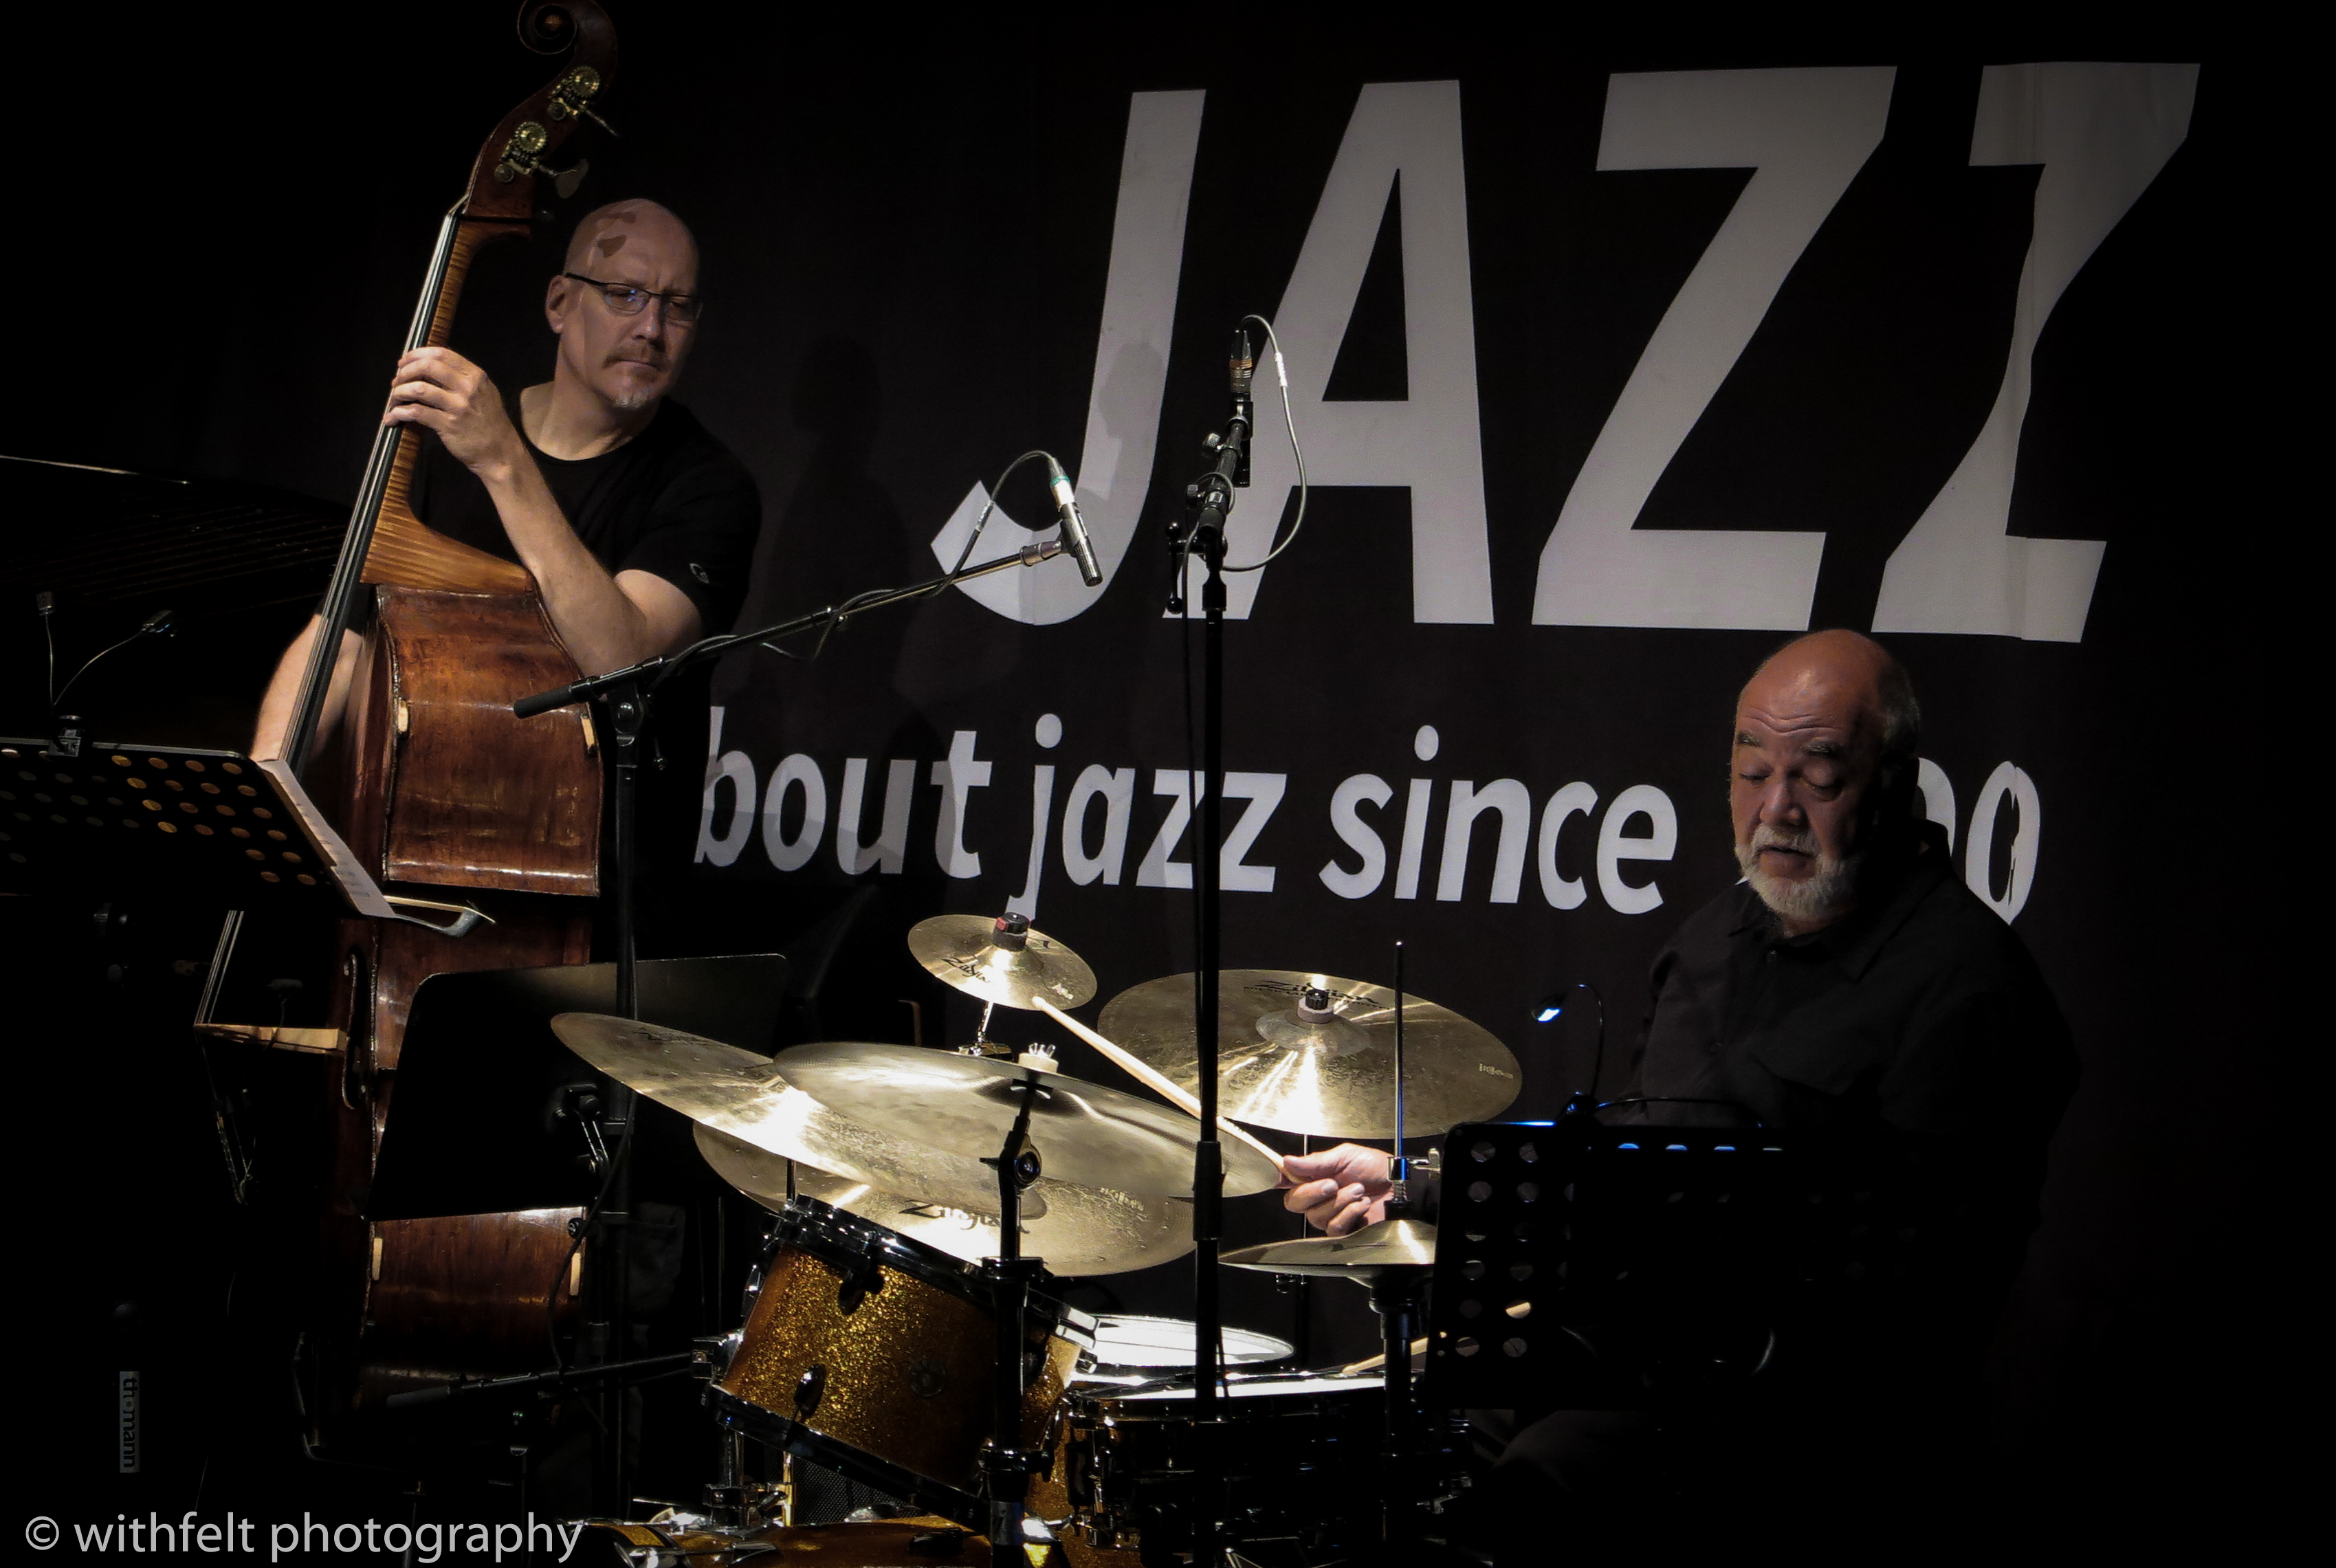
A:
<point x="1395" y="1299"/>
<point x="1005" y="1465"/>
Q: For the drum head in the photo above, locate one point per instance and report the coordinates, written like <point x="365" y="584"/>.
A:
<point x="1131" y="1348"/>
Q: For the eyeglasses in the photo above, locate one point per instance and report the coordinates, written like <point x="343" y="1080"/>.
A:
<point x="682" y="309"/>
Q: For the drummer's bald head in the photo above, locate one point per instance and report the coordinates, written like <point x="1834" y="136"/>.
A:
<point x="606" y="234"/>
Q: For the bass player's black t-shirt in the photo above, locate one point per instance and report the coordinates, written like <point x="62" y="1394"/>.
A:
<point x="671" y="501"/>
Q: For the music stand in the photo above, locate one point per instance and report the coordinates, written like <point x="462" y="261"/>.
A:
<point x="1586" y="1266"/>
<point x="204" y="823"/>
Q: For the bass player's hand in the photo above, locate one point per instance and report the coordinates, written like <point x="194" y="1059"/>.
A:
<point x="446" y="394"/>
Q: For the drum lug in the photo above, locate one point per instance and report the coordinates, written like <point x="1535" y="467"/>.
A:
<point x="714" y="1352"/>
<point x="809" y="1389"/>
<point x="862" y="1279"/>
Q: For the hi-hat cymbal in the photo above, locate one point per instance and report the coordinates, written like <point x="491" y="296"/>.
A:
<point x="1083" y="1133"/>
<point x="740" y="1093"/>
<point x="1001" y="961"/>
<point x="1075" y="1230"/>
<point x="1389" y="1247"/>
<point x="1315" y="1054"/>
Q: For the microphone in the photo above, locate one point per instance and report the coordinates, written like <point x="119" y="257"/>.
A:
<point x="1075" y="527"/>
<point x="1240" y="367"/>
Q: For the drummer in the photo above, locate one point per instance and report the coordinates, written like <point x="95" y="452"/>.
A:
<point x="1851" y="981"/>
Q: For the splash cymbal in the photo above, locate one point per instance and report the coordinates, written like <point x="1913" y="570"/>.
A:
<point x="1000" y="960"/>
<point x="1389" y="1247"/>
<point x="741" y="1094"/>
<point x="1314" y="1054"/>
<point x="1075" y="1230"/>
<point x="1083" y="1133"/>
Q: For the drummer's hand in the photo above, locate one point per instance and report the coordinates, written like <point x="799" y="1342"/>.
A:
<point x="1339" y="1190"/>
<point x="440" y="391"/>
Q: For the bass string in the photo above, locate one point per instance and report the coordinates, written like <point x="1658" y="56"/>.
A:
<point x="348" y="571"/>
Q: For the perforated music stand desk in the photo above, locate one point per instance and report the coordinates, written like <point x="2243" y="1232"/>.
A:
<point x="1606" y="1267"/>
<point x="212" y="825"/>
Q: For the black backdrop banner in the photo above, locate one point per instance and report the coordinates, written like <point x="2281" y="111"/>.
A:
<point x="1613" y="367"/>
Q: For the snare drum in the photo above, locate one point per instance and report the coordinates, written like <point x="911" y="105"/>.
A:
<point x="1129" y="1348"/>
<point x="1299" y="1453"/>
<point x="874" y="1355"/>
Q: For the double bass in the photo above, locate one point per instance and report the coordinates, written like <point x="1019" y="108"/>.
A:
<point x="482" y="830"/>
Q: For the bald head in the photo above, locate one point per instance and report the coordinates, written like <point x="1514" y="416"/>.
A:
<point x="1851" y="677"/>
<point x="620" y="353"/>
<point x="606" y="233"/>
<point x="1824" y="733"/>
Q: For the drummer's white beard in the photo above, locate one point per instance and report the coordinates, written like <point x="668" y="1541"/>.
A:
<point x="1811" y="898"/>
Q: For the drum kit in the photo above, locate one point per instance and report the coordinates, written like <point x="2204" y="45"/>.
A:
<point x="902" y="1328"/>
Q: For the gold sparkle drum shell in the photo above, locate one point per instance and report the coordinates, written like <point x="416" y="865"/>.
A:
<point x="875" y="1356"/>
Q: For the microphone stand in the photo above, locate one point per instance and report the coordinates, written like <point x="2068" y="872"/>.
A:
<point x="624" y="697"/>
<point x="1202" y="532"/>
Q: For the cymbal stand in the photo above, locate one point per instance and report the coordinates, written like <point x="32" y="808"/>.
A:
<point x="625" y="697"/>
<point x="1005" y="1465"/>
<point x="1394" y="1297"/>
<point x="1202" y="532"/>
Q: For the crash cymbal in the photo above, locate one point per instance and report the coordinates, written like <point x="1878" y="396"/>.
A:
<point x="741" y="1094"/>
<point x="1315" y="1054"/>
<point x="1389" y="1247"/>
<point x="1095" y="1136"/>
<point x="1001" y="961"/>
<point x="1075" y="1230"/>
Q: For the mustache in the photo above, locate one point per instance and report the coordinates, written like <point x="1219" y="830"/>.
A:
<point x="653" y="355"/>
<point x="1768" y="837"/>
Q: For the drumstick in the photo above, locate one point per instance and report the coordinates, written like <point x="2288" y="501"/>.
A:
<point x="1144" y="1074"/>
<point x="1374" y="1363"/>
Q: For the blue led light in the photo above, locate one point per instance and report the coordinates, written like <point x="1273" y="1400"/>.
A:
<point x="1674" y="1148"/>
<point x="1626" y="1145"/>
<point x="1548" y="1015"/>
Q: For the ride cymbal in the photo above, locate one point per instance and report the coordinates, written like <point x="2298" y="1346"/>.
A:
<point x="1315" y="1054"/>
<point x="1389" y="1247"/>
<point x="1075" y="1230"/>
<point x="1083" y="1133"/>
<point x="1000" y="960"/>
<point x="743" y="1095"/>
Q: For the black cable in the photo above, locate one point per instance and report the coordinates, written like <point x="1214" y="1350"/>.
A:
<point x="989" y="506"/>
<point x="155" y="625"/>
<point x="46" y="603"/>
<point x="1282" y="377"/>
<point x="1193" y="783"/>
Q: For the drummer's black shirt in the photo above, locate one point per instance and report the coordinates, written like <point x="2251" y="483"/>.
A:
<point x="1920" y="1010"/>
<point x="671" y="501"/>
<point x="1915" y="1033"/>
<point x="1917" y="1028"/>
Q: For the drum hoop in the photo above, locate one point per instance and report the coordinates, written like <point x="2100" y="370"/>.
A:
<point x="1123" y="1396"/>
<point x="804" y="1442"/>
<point x="844" y="1240"/>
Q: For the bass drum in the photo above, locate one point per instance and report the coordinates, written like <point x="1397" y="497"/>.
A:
<point x="875" y="1355"/>
<point x="927" y="1543"/>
